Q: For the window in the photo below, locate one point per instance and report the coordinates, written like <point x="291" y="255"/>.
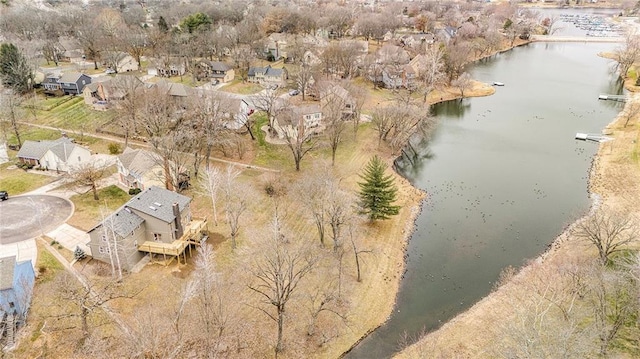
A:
<point x="103" y="250"/>
<point x="157" y="237"/>
<point x="104" y="238"/>
<point x="135" y="243"/>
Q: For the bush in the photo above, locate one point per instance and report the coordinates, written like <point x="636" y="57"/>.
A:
<point x="114" y="148"/>
<point x="134" y="191"/>
<point x="79" y="253"/>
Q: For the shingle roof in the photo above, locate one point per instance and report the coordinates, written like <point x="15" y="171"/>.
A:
<point x="172" y="88"/>
<point x="217" y="65"/>
<point x="138" y="161"/>
<point x="157" y="202"/>
<point x="37" y="149"/>
<point x="267" y="71"/>
<point x="7" y="265"/>
<point x="62" y="150"/>
<point x="70" y="77"/>
<point x="124" y="221"/>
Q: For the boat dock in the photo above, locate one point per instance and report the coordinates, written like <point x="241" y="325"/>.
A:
<point x="592" y="137"/>
<point x="619" y="98"/>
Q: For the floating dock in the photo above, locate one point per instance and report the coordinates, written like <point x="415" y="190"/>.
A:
<point x="591" y="137"/>
<point x="619" y="98"/>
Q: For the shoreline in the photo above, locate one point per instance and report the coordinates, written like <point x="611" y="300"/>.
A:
<point x="474" y="319"/>
<point x="410" y="225"/>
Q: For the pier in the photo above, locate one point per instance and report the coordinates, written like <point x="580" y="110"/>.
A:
<point x="619" y="98"/>
<point x="592" y="137"/>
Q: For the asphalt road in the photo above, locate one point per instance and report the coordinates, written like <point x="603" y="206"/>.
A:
<point x="25" y="217"/>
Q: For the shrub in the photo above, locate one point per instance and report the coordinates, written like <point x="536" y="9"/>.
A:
<point x="134" y="191"/>
<point x="114" y="148"/>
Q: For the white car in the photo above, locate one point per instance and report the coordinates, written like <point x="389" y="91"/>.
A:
<point x="109" y="71"/>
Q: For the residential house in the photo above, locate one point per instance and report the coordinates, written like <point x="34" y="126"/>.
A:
<point x="100" y="94"/>
<point x="59" y="155"/>
<point x="334" y="94"/>
<point x="267" y="75"/>
<point x="276" y="45"/>
<point x="72" y="50"/>
<point x="51" y="85"/>
<point x="167" y="67"/>
<point x="16" y="288"/>
<point x="72" y="83"/>
<point x="447" y="34"/>
<point x="236" y="113"/>
<point x="215" y="70"/>
<point x="418" y="41"/>
<point x="139" y="169"/>
<point x="291" y="121"/>
<point x="156" y="221"/>
<point x="119" y="61"/>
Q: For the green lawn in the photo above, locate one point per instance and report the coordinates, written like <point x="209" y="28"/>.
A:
<point x="270" y="155"/>
<point x="88" y="212"/>
<point x="237" y="86"/>
<point x="17" y="181"/>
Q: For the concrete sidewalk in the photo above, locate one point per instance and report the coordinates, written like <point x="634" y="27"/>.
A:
<point x="24" y="250"/>
<point x="70" y="237"/>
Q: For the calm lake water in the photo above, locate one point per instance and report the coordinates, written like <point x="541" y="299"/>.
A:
<point x="504" y="176"/>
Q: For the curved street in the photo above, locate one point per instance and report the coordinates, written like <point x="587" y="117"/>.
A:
<point x="25" y="217"/>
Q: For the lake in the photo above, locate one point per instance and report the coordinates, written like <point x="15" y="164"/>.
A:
<point x="504" y="177"/>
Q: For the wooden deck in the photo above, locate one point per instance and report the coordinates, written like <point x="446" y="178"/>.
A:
<point x="176" y="249"/>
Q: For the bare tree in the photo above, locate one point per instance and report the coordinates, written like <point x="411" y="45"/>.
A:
<point x="608" y="231"/>
<point x="88" y="174"/>
<point x="277" y="270"/>
<point x="339" y="205"/>
<point x="463" y="83"/>
<point x="211" y="182"/>
<point x="357" y="252"/>
<point x="613" y="303"/>
<point x="86" y="300"/>
<point x="312" y="191"/>
<point x="209" y="298"/>
<point x="333" y="107"/>
<point x="235" y="202"/>
<point x="10" y="108"/>
<point x="129" y="97"/>
<point x="631" y="109"/>
<point x="268" y="102"/>
<point x="431" y="71"/>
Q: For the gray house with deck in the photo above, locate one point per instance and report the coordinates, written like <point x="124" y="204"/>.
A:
<point x="156" y="221"/>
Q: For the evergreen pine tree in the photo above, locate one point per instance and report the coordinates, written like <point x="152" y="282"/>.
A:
<point x="162" y="25"/>
<point x="377" y="192"/>
<point x="79" y="253"/>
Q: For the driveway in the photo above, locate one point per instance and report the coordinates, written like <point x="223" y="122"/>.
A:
<point x="29" y="216"/>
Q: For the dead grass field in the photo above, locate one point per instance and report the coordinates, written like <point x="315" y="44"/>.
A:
<point x="615" y="177"/>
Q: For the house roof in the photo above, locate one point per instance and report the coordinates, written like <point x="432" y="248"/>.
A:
<point x="37" y="149"/>
<point x="217" y="65"/>
<point x="337" y="90"/>
<point x="157" y="202"/>
<point x="172" y="88"/>
<point x="62" y="150"/>
<point x="7" y="266"/>
<point x="70" y="77"/>
<point x="124" y="221"/>
<point x="267" y="71"/>
<point x="138" y="161"/>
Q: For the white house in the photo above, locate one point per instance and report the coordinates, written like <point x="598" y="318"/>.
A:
<point x="120" y="61"/>
<point x="59" y="155"/>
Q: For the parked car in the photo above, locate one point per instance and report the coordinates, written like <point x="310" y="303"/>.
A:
<point x="109" y="71"/>
<point x="4" y="195"/>
<point x="294" y="92"/>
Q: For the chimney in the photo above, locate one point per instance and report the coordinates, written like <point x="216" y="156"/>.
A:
<point x="178" y="222"/>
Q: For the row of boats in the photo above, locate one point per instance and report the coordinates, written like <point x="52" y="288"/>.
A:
<point x="595" y="25"/>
